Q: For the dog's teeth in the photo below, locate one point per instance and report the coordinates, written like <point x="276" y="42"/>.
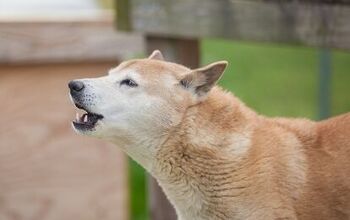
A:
<point x="85" y="118"/>
<point x="77" y="117"/>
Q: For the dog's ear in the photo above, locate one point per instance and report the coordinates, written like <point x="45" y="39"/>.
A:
<point x="201" y="80"/>
<point x="156" y="55"/>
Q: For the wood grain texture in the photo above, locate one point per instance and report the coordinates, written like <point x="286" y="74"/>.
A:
<point x="46" y="170"/>
<point x="41" y="41"/>
<point x="296" y="22"/>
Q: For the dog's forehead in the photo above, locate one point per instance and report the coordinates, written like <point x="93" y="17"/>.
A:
<point x="151" y="68"/>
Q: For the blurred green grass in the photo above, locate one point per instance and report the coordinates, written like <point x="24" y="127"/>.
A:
<point x="279" y="80"/>
<point x="138" y="192"/>
<point x="274" y="80"/>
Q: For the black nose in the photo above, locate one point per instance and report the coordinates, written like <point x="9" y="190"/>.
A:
<point x="76" y="86"/>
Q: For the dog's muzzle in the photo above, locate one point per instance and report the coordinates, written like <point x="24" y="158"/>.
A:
<point x="89" y="119"/>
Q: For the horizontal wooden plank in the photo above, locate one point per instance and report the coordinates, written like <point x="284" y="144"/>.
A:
<point x="62" y="40"/>
<point x="297" y="22"/>
<point x="333" y="2"/>
<point x="41" y="15"/>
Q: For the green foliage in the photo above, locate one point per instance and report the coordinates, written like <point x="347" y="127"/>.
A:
<point x="340" y="83"/>
<point x="138" y="192"/>
<point x="106" y="4"/>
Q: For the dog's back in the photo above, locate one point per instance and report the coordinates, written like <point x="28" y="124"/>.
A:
<point x="326" y="146"/>
<point x="327" y="192"/>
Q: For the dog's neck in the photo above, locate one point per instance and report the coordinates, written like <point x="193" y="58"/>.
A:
<point x="210" y="143"/>
<point x="141" y="143"/>
<point x="141" y="147"/>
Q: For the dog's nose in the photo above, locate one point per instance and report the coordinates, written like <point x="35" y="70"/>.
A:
<point x="76" y="86"/>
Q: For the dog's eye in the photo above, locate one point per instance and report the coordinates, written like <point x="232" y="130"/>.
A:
<point x="128" y="82"/>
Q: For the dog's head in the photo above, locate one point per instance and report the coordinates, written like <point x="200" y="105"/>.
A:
<point x="140" y="99"/>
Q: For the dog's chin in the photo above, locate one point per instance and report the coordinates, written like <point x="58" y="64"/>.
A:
<point x="85" y="130"/>
<point x="87" y="123"/>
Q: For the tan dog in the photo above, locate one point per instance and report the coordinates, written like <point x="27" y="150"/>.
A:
<point x="214" y="157"/>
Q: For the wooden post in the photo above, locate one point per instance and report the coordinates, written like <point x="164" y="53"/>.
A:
<point x="321" y="24"/>
<point x="186" y="52"/>
<point x="324" y="94"/>
<point x="179" y="50"/>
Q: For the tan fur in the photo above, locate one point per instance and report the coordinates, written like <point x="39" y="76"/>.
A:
<point x="221" y="160"/>
<point x="292" y="169"/>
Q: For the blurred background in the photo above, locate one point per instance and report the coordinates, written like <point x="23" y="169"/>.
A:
<point x="49" y="172"/>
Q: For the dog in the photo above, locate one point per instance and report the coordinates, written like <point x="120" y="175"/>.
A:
<point x="214" y="157"/>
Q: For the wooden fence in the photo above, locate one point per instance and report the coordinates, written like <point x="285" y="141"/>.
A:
<point x="46" y="170"/>
<point x="176" y="27"/>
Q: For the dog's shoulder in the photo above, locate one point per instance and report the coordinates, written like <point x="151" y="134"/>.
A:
<point x="336" y="125"/>
<point x="302" y="129"/>
<point x="334" y="133"/>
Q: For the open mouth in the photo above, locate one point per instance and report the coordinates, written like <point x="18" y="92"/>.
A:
<point x="87" y="120"/>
